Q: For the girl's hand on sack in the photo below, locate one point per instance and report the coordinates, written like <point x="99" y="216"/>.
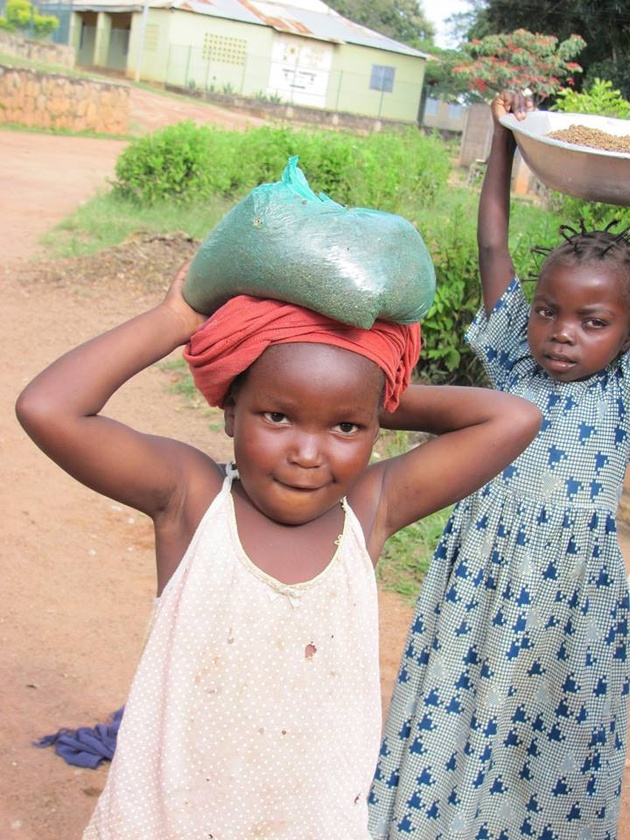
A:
<point x="190" y="319"/>
<point x="512" y="102"/>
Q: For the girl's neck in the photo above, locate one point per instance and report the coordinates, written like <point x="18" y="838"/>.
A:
<point x="290" y="554"/>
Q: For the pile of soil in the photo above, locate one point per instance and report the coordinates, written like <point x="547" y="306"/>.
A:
<point x="142" y="265"/>
<point x="595" y="138"/>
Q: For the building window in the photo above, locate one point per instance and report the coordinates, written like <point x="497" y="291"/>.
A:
<point x="455" y="111"/>
<point x="382" y="78"/>
<point x="431" y="107"/>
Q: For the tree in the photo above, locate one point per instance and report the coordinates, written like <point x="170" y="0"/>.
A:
<point x="439" y="80"/>
<point x="22" y="16"/>
<point x="520" y="60"/>
<point x="402" y="20"/>
<point x="603" y="24"/>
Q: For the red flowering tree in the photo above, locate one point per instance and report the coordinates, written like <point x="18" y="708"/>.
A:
<point x="520" y="60"/>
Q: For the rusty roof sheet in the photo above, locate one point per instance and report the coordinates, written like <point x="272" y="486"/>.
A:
<point x="308" y="18"/>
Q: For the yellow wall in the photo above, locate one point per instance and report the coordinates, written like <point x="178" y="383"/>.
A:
<point x="350" y="83"/>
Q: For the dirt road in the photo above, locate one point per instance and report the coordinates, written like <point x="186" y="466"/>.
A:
<point x="77" y="570"/>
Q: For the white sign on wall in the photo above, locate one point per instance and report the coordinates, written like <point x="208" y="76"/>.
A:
<point x="299" y="70"/>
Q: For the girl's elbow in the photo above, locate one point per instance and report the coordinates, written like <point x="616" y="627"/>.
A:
<point x="34" y="412"/>
<point x="527" y="420"/>
<point x="25" y="408"/>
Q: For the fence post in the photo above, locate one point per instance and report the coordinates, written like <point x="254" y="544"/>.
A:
<point x="338" y="90"/>
<point x="187" y="71"/>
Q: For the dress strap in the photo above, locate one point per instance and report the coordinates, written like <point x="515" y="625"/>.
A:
<point x="231" y="472"/>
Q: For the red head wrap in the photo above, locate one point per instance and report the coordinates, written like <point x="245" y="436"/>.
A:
<point x="241" y="330"/>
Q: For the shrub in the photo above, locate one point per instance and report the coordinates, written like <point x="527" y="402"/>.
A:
<point x="178" y="163"/>
<point x="600" y="98"/>
<point x="186" y="163"/>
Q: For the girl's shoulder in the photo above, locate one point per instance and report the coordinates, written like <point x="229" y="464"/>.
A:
<point x="499" y="339"/>
<point x="201" y="482"/>
<point x="622" y="365"/>
<point x="507" y="320"/>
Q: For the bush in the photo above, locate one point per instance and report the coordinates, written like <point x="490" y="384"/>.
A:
<point x="600" y="98"/>
<point x="178" y="163"/>
<point x="186" y="163"/>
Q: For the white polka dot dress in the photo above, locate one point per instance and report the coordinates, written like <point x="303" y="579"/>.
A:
<point x="509" y="715"/>
<point x="255" y="709"/>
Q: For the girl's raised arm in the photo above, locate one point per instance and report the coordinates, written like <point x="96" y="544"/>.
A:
<point x="60" y="409"/>
<point x="495" y="263"/>
<point x="479" y="432"/>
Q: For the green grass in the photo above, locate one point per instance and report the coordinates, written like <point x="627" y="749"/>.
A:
<point x="407" y="554"/>
<point x="63" y="132"/>
<point x="107" y="220"/>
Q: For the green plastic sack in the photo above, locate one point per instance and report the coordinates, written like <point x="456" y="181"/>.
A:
<point x="282" y="241"/>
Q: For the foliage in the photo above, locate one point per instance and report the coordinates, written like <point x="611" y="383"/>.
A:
<point x="23" y="16"/>
<point x="407" y="554"/>
<point x="520" y="60"/>
<point x="617" y="73"/>
<point x="403" y="20"/>
<point x="600" y="98"/>
<point x="176" y="163"/>
<point x="439" y="80"/>
<point x="448" y="227"/>
<point x="188" y="163"/>
<point x="604" y="25"/>
<point x="445" y="358"/>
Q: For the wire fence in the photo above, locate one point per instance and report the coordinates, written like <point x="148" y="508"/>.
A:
<point x="376" y="94"/>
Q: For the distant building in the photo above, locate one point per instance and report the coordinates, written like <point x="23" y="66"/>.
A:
<point x="301" y="52"/>
<point x="449" y="116"/>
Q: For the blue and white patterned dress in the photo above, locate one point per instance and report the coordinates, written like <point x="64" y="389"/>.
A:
<point x="509" y="715"/>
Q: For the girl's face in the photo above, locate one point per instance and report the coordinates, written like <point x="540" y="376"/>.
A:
<point x="579" y="320"/>
<point x="304" y="422"/>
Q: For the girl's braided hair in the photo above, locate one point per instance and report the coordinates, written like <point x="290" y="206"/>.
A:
<point x="584" y="246"/>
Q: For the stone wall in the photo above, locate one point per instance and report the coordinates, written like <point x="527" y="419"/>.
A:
<point x="44" y="52"/>
<point x="50" y="100"/>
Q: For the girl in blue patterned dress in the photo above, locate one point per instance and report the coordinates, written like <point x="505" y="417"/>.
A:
<point x="509" y="715"/>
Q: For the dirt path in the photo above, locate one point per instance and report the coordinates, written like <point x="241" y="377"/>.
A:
<point x="77" y="570"/>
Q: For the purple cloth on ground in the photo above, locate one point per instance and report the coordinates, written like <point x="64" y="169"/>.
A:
<point x="85" y="747"/>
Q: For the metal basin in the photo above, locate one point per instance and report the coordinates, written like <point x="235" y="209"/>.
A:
<point x="592" y="174"/>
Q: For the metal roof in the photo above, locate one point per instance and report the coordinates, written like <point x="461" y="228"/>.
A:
<point x="308" y="18"/>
